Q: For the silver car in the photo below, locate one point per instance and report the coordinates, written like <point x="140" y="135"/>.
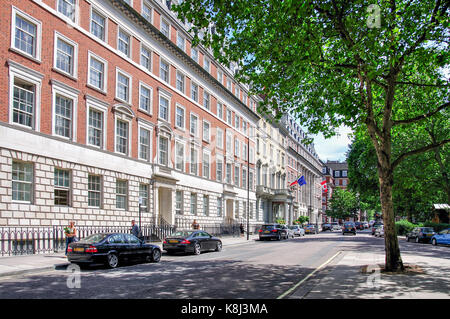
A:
<point x="379" y="231"/>
<point x="297" y="230"/>
<point x="335" y="227"/>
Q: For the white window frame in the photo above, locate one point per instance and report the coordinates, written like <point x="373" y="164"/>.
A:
<point x="148" y="87"/>
<point x="183" y="159"/>
<point x="105" y="72"/>
<point x="31" y="77"/>
<point x="237" y="147"/>
<point x="168" y="150"/>
<point x="168" y="71"/>
<point x="144" y="126"/>
<point x="36" y="56"/>
<point x="196" y="151"/>
<point x="150" y="58"/>
<point x="183" y="90"/>
<point x="74" y="73"/>
<point x="220" y="138"/>
<point x="190" y="124"/>
<point x="105" y="31"/>
<point x="118" y="118"/>
<point x="168" y="97"/>
<point x="70" y="93"/>
<point x="147" y="4"/>
<point x="208" y="154"/>
<point x="130" y="86"/>
<point x="194" y="57"/>
<point x="208" y="138"/>
<point x="220" y="163"/>
<point x="198" y="90"/>
<point x="168" y="26"/>
<point x="102" y="107"/>
<point x="130" y="37"/>
<point x="183" y="126"/>
<point x="75" y="14"/>
<point x="181" y="37"/>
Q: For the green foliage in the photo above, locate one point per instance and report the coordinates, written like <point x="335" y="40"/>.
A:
<point x="403" y="227"/>
<point x="343" y="204"/>
<point x="280" y="221"/>
<point x="301" y="220"/>
<point x="436" y="226"/>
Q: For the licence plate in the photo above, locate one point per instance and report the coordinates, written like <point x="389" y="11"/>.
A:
<point x="267" y="232"/>
<point x="173" y="241"/>
<point x="78" y="249"/>
<point x="429" y="235"/>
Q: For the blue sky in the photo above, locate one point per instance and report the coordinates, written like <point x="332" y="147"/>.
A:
<point x="333" y="148"/>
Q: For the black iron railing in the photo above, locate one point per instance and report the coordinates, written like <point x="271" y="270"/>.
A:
<point x="37" y="240"/>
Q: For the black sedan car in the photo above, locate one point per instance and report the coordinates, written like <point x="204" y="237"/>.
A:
<point x="273" y="231"/>
<point x="191" y="241"/>
<point x="349" y="228"/>
<point x="421" y="234"/>
<point x="111" y="249"/>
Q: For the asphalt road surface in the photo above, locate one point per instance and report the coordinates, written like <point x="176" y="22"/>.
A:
<point x="258" y="270"/>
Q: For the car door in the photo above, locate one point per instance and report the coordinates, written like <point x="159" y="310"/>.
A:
<point x="116" y="243"/>
<point x="199" y="239"/>
<point x="133" y="247"/>
<point x="445" y="237"/>
<point x="208" y="242"/>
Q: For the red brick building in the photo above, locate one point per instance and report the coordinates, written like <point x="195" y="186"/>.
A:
<point x="105" y="104"/>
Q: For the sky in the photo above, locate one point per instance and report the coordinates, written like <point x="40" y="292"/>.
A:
<point x="334" y="148"/>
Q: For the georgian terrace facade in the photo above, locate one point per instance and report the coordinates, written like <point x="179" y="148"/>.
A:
<point x="105" y="105"/>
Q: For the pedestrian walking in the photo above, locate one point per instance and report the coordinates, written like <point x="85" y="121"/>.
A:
<point x="135" y="229"/>
<point x="241" y="227"/>
<point x="71" y="233"/>
<point x="195" y="225"/>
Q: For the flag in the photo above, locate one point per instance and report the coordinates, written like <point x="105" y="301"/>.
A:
<point x="324" y="186"/>
<point x="300" y="181"/>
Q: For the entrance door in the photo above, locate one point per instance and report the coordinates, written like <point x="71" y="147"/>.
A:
<point x="165" y="204"/>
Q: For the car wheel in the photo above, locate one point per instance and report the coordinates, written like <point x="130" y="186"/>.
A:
<point x="112" y="260"/>
<point x="155" y="256"/>
<point x="197" y="249"/>
<point x="279" y="237"/>
<point x="434" y="242"/>
<point x="219" y="246"/>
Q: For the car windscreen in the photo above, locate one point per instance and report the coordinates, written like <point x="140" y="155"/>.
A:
<point x="267" y="227"/>
<point x="293" y="227"/>
<point x="182" y="234"/>
<point x="92" y="239"/>
<point x="428" y="230"/>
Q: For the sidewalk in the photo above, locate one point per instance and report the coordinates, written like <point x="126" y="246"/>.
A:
<point x="15" y="265"/>
<point x="343" y="278"/>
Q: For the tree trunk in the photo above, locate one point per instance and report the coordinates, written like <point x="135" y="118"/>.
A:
<point x="393" y="259"/>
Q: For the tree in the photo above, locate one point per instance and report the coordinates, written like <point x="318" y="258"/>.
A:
<point x="343" y="204"/>
<point x="334" y="62"/>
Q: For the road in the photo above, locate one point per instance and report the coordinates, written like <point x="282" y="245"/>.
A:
<point x="257" y="270"/>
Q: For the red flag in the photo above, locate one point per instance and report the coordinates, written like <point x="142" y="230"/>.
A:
<point x="324" y="185"/>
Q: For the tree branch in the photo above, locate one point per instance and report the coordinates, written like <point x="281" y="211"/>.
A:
<point x="423" y="116"/>
<point x="418" y="151"/>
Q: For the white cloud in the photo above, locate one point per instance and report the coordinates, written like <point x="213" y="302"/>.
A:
<point x="335" y="147"/>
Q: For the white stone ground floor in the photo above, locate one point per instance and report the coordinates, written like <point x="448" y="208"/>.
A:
<point x="48" y="182"/>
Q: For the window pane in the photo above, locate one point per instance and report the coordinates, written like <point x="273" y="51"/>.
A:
<point x="25" y="36"/>
<point x="122" y="137"/>
<point x="64" y="56"/>
<point x="23" y="104"/>
<point x="98" y="25"/>
<point x="63" y="116"/>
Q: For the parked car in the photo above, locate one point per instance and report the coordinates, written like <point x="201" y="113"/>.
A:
<point x="443" y="237"/>
<point x="272" y="231"/>
<point x="290" y="232"/>
<point x="379" y="231"/>
<point x="326" y="227"/>
<point x="375" y="225"/>
<point x="420" y="234"/>
<point x="371" y="223"/>
<point x="191" y="241"/>
<point x="310" y="229"/>
<point x="366" y="225"/>
<point x="111" y="249"/>
<point x="298" y="231"/>
<point x="359" y="225"/>
<point x="335" y="227"/>
<point x="349" y="227"/>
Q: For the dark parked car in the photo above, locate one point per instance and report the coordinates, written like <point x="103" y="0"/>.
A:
<point x="326" y="227"/>
<point x="191" y="241"/>
<point x="273" y="231"/>
<point x="375" y="225"/>
<point x="420" y="234"/>
<point x="359" y="225"/>
<point x="349" y="227"/>
<point x="111" y="249"/>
